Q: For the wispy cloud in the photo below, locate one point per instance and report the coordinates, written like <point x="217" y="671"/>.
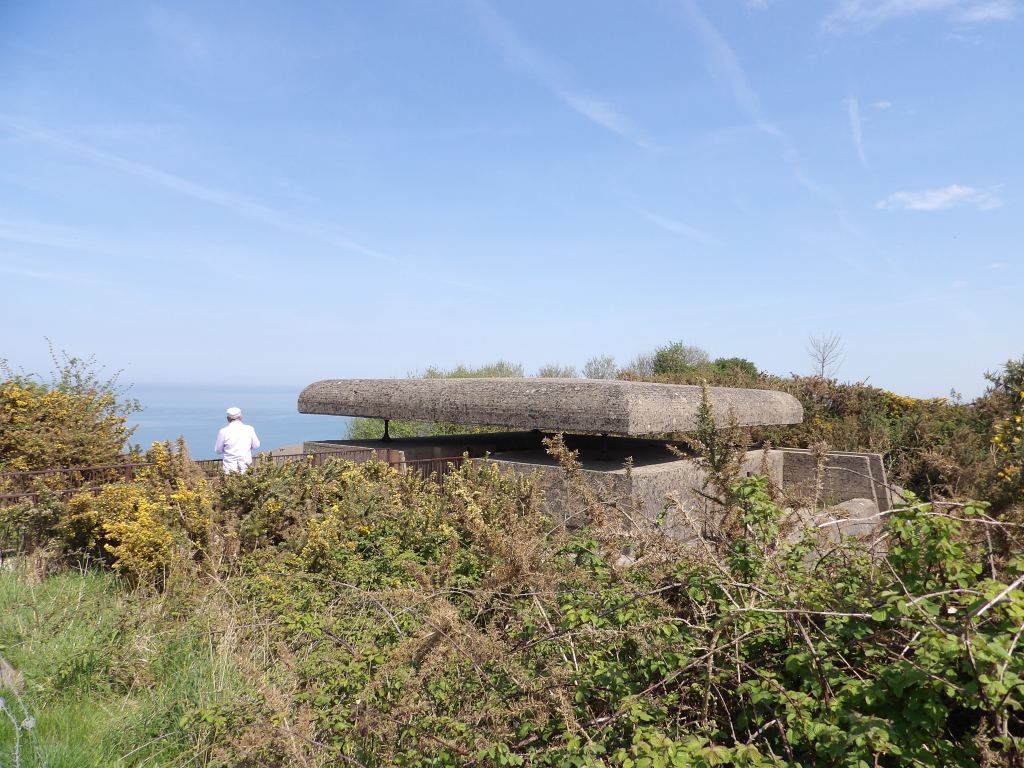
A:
<point x="993" y="10"/>
<point x="882" y="104"/>
<point x="602" y="113"/>
<point x="856" y="128"/>
<point x="678" y="227"/>
<point x="237" y="204"/>
<point x="725" y="69"/>
<point x="523" y="55"/>
<point x="942" y="198"/>
<point x="866" y="14"/>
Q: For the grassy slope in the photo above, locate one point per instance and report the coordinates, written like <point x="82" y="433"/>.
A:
<point x="107" y="676"/>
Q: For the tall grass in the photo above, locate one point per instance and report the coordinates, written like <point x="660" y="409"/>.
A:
<point x="111" y="676"/>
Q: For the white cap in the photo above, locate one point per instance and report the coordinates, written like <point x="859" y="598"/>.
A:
<point x="234" y="413"/>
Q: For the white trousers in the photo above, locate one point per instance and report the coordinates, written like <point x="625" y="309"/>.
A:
<point x="235" y="465"/>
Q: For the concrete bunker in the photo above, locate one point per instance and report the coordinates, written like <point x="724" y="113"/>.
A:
<point x="609" y="423"/>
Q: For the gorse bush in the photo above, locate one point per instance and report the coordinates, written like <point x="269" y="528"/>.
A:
<point x="351" y="614"/>
<point x="77" y="418"/>
<point x="427" y="626"/>
<point x="138" y="528"/>
<point x="125" y="524"/>
<point x="377" y="619"/>
<point x="1007" y="394"/>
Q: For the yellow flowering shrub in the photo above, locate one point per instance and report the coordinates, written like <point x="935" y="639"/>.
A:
<point x="142" y="527"/>
<point x="896" y="405"/>
<point x="75" y="419"/>
<point x="140" y="541"/>
<point x="1008" y="445"/>
<point x="184" y="487"/>
<point x="125" y="525"/>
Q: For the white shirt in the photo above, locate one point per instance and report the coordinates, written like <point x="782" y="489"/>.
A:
<point x="237" y="441"/>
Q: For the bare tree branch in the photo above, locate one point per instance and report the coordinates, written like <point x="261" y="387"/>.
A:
<point x="827" y="352"/>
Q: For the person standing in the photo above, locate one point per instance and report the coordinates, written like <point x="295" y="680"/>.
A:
<point x="236" y="442"/>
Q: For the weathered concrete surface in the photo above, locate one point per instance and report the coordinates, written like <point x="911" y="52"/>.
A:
<point x="659" y="486"/>
<point x="847" y="476"/>
<point x="669" y="494"/>
<point x="628" y="408"/>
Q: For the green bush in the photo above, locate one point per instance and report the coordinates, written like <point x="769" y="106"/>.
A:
<point x="77" y="418"/>
<point x="439" y="627"/>
<point x="735" y="367"/>
<point x="1006" y="402"/>
<point x="139" y="528"/>
<point x="678" y="358"/>
<point x="374" y="618"/>
<point x="351" y="614"/>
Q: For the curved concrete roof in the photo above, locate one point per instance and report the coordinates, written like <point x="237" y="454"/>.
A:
<point x="561" y="405"/>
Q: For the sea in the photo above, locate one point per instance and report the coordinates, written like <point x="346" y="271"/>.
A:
<point x="197" y="412"/>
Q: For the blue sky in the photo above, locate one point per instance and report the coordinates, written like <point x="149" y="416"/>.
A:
<point x="272" y="193"/>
